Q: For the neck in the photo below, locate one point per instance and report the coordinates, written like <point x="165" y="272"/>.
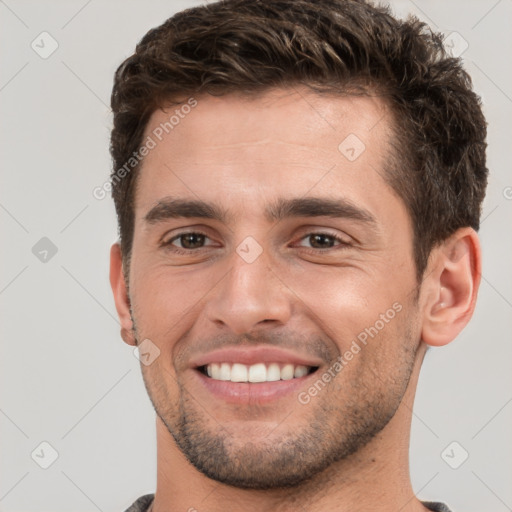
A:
<point x="375" y="478"/>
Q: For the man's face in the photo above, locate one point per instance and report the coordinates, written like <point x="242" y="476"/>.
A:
<point x="302" y="250"/>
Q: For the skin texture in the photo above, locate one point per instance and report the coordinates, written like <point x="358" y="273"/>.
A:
<point x="347" y="448"/>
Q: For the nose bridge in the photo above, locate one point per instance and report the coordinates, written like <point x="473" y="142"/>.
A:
<point x="250" y="293"/>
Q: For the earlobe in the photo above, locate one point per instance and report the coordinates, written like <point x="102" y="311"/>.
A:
<point x="121" y="299"/>
<point x="452" y="285"/>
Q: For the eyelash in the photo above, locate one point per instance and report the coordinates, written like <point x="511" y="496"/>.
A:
<point x="185" y="252"/>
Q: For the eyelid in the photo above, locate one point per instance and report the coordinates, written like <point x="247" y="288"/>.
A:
<point x="342" y="239"/>
<point x="176" y="232"/>
<point x="170" y="240"/>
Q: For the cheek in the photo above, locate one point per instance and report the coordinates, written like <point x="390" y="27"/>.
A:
<point x="377" y="361"/>
<point x="346" y="301"/>
<point x="169" y="305"/>
<point x="166" y="292"/>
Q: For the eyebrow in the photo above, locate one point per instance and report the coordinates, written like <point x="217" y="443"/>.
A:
<point x="171" y="208"/>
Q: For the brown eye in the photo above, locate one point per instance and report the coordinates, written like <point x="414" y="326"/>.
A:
<point x="192" y="240"/>
<point x="321" y="241"/>
<point x="188" y="241"/>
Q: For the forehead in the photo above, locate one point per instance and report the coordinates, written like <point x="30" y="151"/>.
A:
<point x="286" y="142"/>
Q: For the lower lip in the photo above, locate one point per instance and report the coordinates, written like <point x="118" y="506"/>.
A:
<point x="252" y="392"/>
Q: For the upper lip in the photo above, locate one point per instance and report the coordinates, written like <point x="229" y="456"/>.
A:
<point x="253" y="355"/>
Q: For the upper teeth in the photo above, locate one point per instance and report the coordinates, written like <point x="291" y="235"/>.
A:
<point x="259" y="372"/>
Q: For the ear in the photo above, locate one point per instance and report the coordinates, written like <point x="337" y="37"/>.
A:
<point x="122" y="301"/>
<point x="451" y="287"/>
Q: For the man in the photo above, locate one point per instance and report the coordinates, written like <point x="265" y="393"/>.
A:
<point x="298" y="186"/>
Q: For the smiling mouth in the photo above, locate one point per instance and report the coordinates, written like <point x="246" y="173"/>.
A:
<point x="259" y="372"/>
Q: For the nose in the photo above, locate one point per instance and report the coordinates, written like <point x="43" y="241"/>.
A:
<point x="249" y="296"/>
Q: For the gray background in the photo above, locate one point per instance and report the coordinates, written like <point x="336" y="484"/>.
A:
<point x="67" y="378"/>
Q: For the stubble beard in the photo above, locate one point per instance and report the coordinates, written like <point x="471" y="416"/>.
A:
<point x="331" y="431"/>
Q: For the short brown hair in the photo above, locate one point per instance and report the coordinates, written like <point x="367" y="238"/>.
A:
<point x="342" y="46"/>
